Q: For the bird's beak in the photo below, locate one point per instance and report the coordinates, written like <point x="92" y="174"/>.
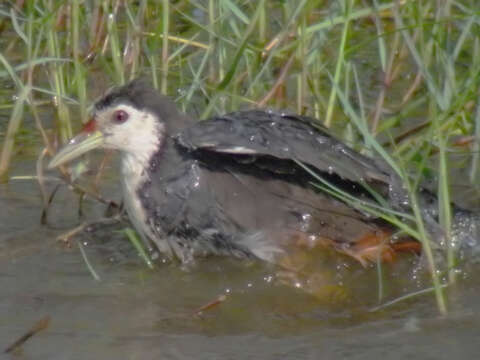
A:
<point x="79" y="145"/>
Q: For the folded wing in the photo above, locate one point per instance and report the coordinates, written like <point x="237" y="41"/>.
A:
<point x="258" y="133"/>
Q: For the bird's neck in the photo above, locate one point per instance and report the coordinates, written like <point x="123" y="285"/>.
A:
<point x="135" y="164"/>
<point x="133" y="169"/>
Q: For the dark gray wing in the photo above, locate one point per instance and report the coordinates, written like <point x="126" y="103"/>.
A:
<point x="206" y="203"/>
<point x="283" y="136"/>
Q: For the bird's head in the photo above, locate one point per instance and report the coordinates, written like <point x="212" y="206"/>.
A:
<point x="133" y="118"/>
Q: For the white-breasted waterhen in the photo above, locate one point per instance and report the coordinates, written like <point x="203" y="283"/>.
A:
<point x="234" y="184"/>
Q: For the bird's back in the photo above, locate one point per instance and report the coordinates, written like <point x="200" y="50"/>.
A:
<point x="206" y="202"/>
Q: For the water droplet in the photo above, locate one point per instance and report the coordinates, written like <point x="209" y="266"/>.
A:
<point x="321" y="139"/>
<point x="306" y="217"/>
<point x="268" y="278"/>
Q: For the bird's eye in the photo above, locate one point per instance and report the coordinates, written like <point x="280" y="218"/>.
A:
<point x="120" y="116"/>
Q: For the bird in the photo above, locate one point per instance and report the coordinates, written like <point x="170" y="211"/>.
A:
<point x="238" y="184"/>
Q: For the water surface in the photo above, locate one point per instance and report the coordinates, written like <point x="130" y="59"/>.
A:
<point x="137" y="313"/>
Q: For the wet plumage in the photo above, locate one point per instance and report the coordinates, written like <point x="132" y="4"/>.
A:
<point x="232" y="185"/>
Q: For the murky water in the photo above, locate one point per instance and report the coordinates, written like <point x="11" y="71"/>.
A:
<point x="133" y="312"/>
<point x="137" y="313"/>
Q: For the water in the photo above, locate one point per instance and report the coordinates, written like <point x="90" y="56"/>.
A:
<point x="137" y="313"/>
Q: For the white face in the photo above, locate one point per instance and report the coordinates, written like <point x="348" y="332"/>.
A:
<point x="134" y="132"/>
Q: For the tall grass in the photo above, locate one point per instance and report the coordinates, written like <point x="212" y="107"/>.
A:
<point x="397" y="79"/>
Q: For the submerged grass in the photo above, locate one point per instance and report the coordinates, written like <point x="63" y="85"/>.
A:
<point x="397" y="79"/>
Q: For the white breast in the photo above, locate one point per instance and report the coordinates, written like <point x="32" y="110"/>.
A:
<point x="134" y="176"/>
